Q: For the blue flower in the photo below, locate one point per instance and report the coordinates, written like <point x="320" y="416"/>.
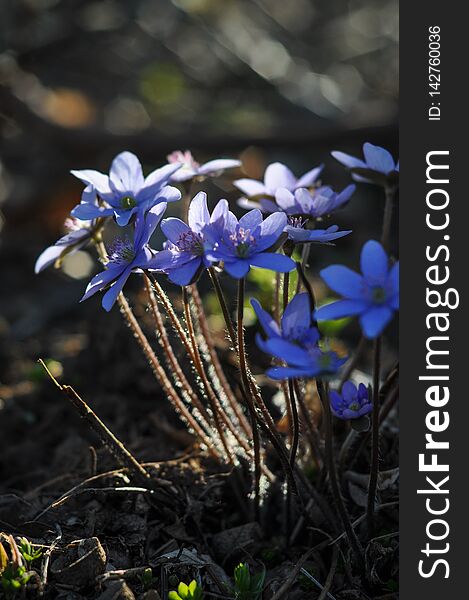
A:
<point x="373" y="296"/>
<point x="316" y="203"/>
<point x="295" y="341"/>
<point x="184" y="255"/>
<point x="78" y="235"/>
<point x="352" y="403"/>
<point x="378" y="166"/>
<point x="261" y="194"/>
<point x="190" y="168"/>
<point x="245" y="244"/>
<point x="300" y="235"/>
<point x="126" y="257"/>
<point x="125" y="191"/>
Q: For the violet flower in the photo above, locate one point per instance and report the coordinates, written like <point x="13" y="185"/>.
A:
<point x="317" y="203"/>
<point x="352" y="402"/>
<point x="190" y="168"/>
<point x="246" y="243"/>
<point x="125" y="192"/>
<point x="295" y="342"/>
<point x="185" y="253"/>
<point x="126" y="257"/>
<point x="373" y="296"/>
<point x="378" y="167"/>
<point x="299" y="234"/>
<point x="260" y="194"/>
<point x="79" y="234"/>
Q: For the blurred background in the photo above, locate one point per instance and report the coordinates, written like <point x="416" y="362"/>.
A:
<point x="80" y="81"/>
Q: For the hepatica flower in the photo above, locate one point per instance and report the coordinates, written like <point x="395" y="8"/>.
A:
<point x="79" y="234"/>
<point x="245" y="243"/>
<point x="185" y="253"/>
<point x="352" y="403"/>
<point x="373" y="296"/>
<point x="378" y="165"/>
<point x="126" y="257"/>
<point x="260" y="194"/>
<point x="190" y="168"/>
<point x="125" y="191"/>
<point x="316" y="203"/>
<point x="295" y="342"/>
<point x="296" y="231"/>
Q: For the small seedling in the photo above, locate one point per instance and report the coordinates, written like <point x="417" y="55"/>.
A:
<point x="28" y="552"/>
<point x="187" y="592"/>
<point x="13" y="579"/>
<point x="147" y="579"/>
<point x="247" y="586"/>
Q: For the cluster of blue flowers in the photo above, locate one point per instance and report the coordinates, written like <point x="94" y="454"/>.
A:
<point x="282" y="208"/>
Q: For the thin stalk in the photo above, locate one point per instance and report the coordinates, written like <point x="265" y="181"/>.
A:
<point x="290" y="396"/>
<point x="310" y="426"/>
<point x="304" y="264"/>
<point x="158" y="370"/>
<point x="353" y="362"/>
<point x="246" y="385"/>
<point x="169" y="353"/>
<point x="374" y="439"/>
<point x="389" y="192"/>
<point x="201" y="371"/>
<point x="215" y="362"/>
<point x="226" y="418"/>
<point x="334" y="481"/>
<point x="224" y="307"/>
<point x="161" y="376"/>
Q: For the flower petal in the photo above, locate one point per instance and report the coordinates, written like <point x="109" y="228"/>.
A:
<point x="219" y="164"/>
<point x="157" y="179"/>
<point x="126" y="173"/>
<point x="146" y="224"/>
<point x="285" y="199"/>
<point x="237" y="269"/>
<point x="298" y="313"/>
<point x="279" y="373"/>
<point x="48" y="257"/>
<point x="273" y="261"/>
<point x="86" y="211"/>
<point x="374" y="263"/>
<point x="184" y="274"/>
<point x="98" y="180"/>
<point x="267" y="322"/>
<point x="374" y="320"/>
<point x="310" y="177"/>
<point x="290" y="353"/>
<point x="340" y="309"/>
<point x="198" y="215"/>
<point x="351" y="162"/>
<point x="378" y="158"/>
<point x="250" y="187"/>
<point x="278" y="175"/>
<point x="393" y="280"/>
<point x="110" y="296"/>
<point x="173" y="228"/>
<point x="251" y="219"/>
<point x="344" y="281"/>
<point x="100" y="281"/>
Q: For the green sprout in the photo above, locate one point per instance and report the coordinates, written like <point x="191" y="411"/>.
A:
<point x="13" y="578"/>
<point x="247" y="586"/>
<point x="28" y="552"/>
<point x="187" y="592"/>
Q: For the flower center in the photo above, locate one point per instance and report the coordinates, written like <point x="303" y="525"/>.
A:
<point x="378" y="294"/>
<point x="191" y="242"/>
<point x="121" y="252"/>
<point x="297" y="222"/>
<point x="354" y="406"/>
<point x="325" y="361"/>
<point x="242" y="239"/>
<point x="128" y="202"/>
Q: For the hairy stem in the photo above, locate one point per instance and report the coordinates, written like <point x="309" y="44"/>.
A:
<point x="390" y="192"/>
<point x="246" y="385"/>
<point x="334" y="481"/>
<point x="374" y="469"/>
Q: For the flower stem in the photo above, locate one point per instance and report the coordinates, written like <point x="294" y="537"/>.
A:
<point x="201" y="371"/>
<point x="374" y="468"/>
<point x="390" y="192"/>
<point x="334" y="481"/>
<point x="290" y="396"/>
<point x="246" y="385"/>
